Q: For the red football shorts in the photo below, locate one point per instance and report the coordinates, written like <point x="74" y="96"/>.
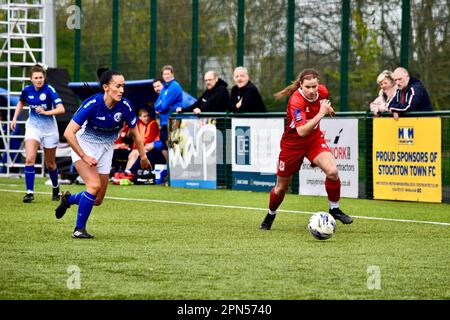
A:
<point x="290" y="160"/>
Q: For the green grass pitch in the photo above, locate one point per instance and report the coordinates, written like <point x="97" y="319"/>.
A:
<point x="177" y="243"/>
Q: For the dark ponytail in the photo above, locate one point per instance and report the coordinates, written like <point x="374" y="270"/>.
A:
<point x="106" y="77"/>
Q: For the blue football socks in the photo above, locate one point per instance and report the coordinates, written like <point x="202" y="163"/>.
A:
<point x="54" y="177"/>
<point x="30" y="172"/>
<point x="75" y="198"/>
<point x="84" y="209"/>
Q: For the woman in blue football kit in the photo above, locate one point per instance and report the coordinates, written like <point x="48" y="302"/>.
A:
<point x="91" y="134"/>
<point x="40" y="129"/>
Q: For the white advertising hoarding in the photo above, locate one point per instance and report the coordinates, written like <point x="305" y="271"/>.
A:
<point x="341" y="136"/>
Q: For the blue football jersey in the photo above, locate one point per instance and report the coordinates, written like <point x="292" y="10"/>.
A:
<point x="46" y="98"/>
<point x="100" y="124"/>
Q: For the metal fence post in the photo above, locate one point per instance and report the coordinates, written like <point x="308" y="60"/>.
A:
<point x="194" y="48"/>
<point x="345" y="44"/>
<point x="115" y="34"/>
<point x="240" y="33"/>
<point x="77" y="49"/>
<point x="290" y="42"/>
<point x="406" y="25"/>
<point x="153" y="38"/>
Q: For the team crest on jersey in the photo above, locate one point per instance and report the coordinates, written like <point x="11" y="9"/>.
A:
<point x="307" y="109"/>
<point x="118" y="117"/>
<point x="281" y="165"/>
<point x="297" y="115"/>
<point x="43" y="96"/>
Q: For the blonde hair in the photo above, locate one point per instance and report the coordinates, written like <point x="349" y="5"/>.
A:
<point x="306" y="74"/>
<point x="385" y="74"/>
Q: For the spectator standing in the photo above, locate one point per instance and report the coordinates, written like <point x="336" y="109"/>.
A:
<point x="245" y="96"/>
<point x="214" y="99"/>
<point x="411" y="94"/>
<point x="170" y="97"/>
<point x="387" y="92"/>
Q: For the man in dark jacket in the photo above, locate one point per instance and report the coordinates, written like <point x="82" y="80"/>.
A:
<point x="411" y="95"/>
<point x="245" y="97"/>
<point x="214" y="99"/>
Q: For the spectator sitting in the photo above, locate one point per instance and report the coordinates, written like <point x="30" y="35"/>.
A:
<point x="149" y="131"/>
<point x="245" y="97"/>
<point x="214" y="99"/>
<point x="122" y="148"/>
<point x="387" y="92"/>
<point x="411" y="95"/>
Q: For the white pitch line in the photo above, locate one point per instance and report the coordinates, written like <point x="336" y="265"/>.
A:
<point x="246" y="208"/>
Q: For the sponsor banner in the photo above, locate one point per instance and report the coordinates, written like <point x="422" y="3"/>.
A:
<point x="192" y="153"/>
<point x="341" y="136"/>
<point x="253" y="181"/>
<point x="255" y="149"/>
<point x="196" y="184"/>
<point x="407" y="159"/>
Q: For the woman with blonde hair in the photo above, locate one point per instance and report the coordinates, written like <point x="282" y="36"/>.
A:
<point x="387" y="91"/>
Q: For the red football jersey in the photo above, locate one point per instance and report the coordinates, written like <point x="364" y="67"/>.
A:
<point x="299" y="111"/>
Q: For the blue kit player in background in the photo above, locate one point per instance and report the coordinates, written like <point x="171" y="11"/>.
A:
<point x="91" y="134"/>
<point x="40" y="129"/>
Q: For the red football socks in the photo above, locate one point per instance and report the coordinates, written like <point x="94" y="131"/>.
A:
<point x="275" y="200"/>
<point x="333" y="189"/>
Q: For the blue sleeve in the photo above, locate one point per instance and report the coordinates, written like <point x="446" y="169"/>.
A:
<point x="54" y="96"/>
<point x="158" y="103"/>
<point x="23" y="95"/>
<point x="129" y="115"/>
<point x="174" y="93"/>
<point x="83" y="112"/>
<point x="395" y="102"/>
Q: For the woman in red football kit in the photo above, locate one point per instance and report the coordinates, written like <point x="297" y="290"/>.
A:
<point x="308" y="104"/>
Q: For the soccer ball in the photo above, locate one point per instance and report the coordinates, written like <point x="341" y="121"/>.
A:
<point x="322" y="225"/>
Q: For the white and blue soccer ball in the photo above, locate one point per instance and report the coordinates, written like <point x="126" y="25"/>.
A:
<point x="322" y="225"/>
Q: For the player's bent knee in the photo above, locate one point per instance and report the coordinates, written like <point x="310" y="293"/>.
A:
<point x="333" y="175"/>
<point x="280" y="190"/>
<point x="51" y="166"/>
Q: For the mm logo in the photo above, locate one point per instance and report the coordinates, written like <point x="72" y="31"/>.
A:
<point x="242" y="145"/>
<point x="406" y="135"/>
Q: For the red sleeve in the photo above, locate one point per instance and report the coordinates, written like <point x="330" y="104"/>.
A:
<point x="296" y="109"/>
<point x="323" y="91"/>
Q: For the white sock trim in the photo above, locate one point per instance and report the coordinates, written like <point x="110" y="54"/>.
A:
<point x="334" y="205"/>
